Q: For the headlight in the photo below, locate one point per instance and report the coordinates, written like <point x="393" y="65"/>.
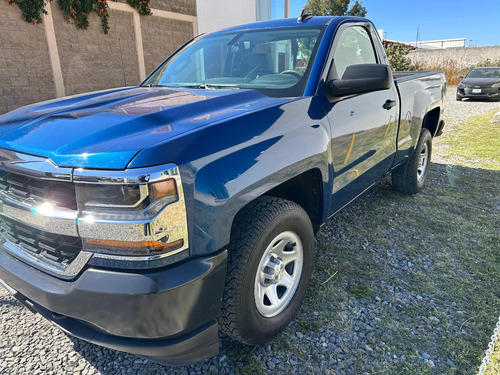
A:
<point x="136" y="214"/>
<point x="461" y="86"/>
<point x="125" y="202"/>
<point x="496" y="85"/>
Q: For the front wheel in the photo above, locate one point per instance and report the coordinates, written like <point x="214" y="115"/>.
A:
<point x="410" y="177"/>
<point x="270" y="262"/>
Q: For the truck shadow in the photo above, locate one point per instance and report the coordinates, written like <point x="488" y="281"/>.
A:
<point x="385" y="281"/>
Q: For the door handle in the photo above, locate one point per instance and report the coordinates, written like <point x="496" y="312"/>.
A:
<point x="389" y="104"/>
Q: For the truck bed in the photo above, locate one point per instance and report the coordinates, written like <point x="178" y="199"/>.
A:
<point x="400" y="76"/>
<point x="421" y="94"/>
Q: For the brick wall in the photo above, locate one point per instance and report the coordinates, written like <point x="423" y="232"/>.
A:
<point x="25" y="74"/>
<point x="89" y="60"/>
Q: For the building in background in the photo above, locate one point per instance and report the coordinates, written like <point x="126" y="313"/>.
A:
<point x="436" y="44"/>
<point x="430" y="44"/>
<point x="424" y="44"/>
<point x="264" y="9"/>
<point x="220" y="14"/>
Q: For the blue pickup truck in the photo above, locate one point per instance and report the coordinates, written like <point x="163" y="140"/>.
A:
<point x="145" y="219"/>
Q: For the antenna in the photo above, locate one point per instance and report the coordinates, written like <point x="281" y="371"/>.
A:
<point x="304" y="16"/>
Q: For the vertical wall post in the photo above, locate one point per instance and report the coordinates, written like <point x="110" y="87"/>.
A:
<point x="140" y="48"/>
<point x="55" y="61"/>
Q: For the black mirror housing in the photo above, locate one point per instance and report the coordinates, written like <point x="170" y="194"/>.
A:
<point x="361" y="78"/>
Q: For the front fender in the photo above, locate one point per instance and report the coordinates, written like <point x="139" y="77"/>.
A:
<point x="222" y="187"/>
<point x="225" y="166"/>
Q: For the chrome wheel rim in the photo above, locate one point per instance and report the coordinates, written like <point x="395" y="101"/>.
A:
<point x="423" y="161"/>
<point x="278" y="274"/>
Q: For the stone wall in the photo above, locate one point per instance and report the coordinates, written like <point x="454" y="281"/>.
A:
<point x="462" y="56"/>
<point x="161" y="38"/>
<point x="178" y="6"/>
<point x="37" y="64"/>
<point x="92" y="61"/>
<point x="25" y="74"/>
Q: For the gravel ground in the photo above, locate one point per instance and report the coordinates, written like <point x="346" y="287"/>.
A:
<point x="356" y="341"/>
<point x="459" y="111"/>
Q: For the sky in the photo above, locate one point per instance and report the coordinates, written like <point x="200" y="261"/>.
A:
<point x="477" y="21"/>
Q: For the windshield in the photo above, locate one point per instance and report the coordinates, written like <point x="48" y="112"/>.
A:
<point x="273" y="61"/>
<point x="484" y="73"/>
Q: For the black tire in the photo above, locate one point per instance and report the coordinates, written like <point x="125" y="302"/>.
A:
<point x="253" y="234"/>
<point x="410" y="178"/>
<point x="459" y="99"/>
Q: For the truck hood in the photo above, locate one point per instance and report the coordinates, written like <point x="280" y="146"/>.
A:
<point x="106" y="129"/>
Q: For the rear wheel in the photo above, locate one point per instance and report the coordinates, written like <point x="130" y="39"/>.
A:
<point x="270" y="262"/>
<point x="410" y="177"/>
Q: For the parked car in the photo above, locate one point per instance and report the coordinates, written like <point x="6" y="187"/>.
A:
<point x="144" y="219"/>
<point x="480" y="83"/>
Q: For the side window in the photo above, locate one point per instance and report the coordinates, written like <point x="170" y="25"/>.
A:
<point x="354" y="47"/>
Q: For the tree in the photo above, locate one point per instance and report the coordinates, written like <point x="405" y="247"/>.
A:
<point x="397" y="55"/>
<point x="335" y="8"/>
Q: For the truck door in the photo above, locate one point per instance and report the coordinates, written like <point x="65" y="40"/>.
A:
<point x="363" y="126"/>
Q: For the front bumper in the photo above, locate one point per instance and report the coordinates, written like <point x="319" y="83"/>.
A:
<point x="166" y="315"/>
<point x="485" y="94"/>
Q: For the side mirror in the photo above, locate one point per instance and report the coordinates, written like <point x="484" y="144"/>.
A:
<point x="461" y="77"/>
<point x="361" y="78"/>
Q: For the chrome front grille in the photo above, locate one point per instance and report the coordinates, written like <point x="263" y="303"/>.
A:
<point x="55" y="249"/>
<point x="47" y="241"/>
<point x="23" y="188"/>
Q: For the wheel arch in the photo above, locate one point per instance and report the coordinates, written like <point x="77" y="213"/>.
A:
<point x="305" y="189"/>
<point x="431" y="120"/>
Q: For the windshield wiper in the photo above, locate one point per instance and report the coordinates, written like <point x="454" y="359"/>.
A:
<point x="156" y="85"/>
<point x="209" y="86"/>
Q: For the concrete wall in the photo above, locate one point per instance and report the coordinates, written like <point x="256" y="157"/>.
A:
<point x="54" y="59"/>
<point x="216" y="15"/>
<point x="463" y="57"/>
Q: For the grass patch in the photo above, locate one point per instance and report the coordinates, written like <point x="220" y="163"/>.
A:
<point x="306" y="326"/>
<point x="359" y="290"/>
<point x="493" y="367"/>
<point x="476" y="140"/>
<point x="243" y="359"/>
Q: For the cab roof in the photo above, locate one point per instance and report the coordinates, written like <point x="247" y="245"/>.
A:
<point x="290" y="22"/>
